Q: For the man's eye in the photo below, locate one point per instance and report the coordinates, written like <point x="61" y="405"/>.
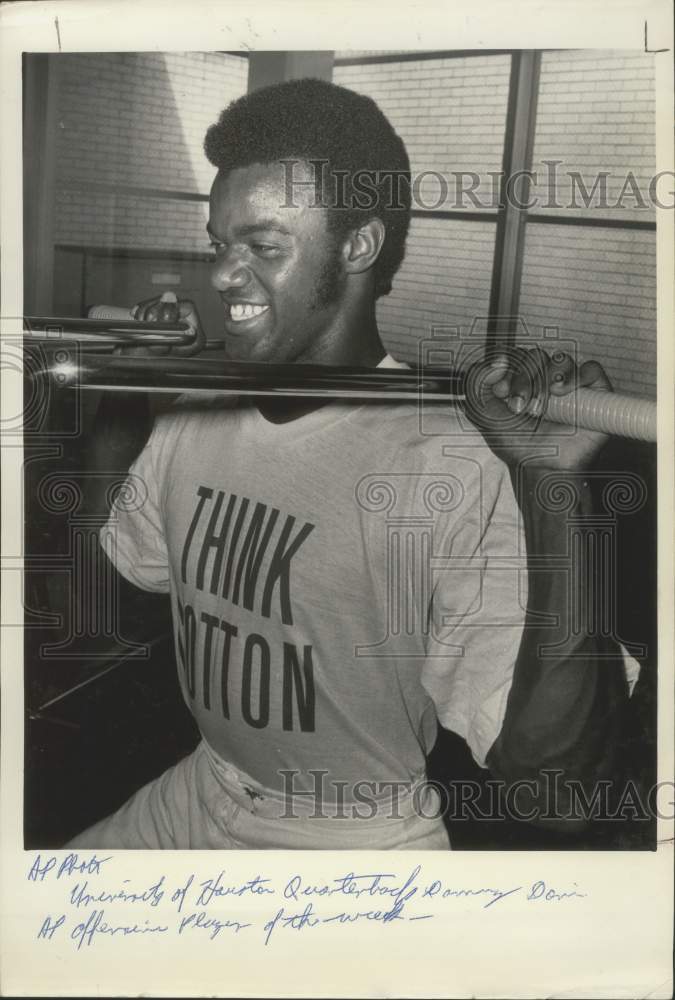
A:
<point x="266" y="249"/>
<point x="218" y="248"/>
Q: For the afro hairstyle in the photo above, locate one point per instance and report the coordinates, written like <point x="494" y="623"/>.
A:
<point x="313" y="120"/>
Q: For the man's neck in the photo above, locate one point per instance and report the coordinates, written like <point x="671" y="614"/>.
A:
<point x="283" y="409"/>
<point x="352" y="338"/>
<point x="355" y="344"/>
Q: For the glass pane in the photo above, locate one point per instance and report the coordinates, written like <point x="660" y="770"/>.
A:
<point x="444" y="282"/>
<point x="117" y="218"/>
<point x="596" y="115"/>
<point x="116" y="190"/>
<point x="451" y="114"/>
<point x="598" y="286"/>
<point x="126" y="169"/>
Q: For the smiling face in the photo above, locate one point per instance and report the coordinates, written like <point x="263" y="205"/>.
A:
<point x="277" y="269"/>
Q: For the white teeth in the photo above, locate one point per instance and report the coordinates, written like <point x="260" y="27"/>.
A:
<point x="246" y="311"/>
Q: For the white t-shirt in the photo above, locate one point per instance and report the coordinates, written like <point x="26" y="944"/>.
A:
<point x="337" y="582"/>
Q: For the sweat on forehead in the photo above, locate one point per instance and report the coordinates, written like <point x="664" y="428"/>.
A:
<point x="261" y="196"/>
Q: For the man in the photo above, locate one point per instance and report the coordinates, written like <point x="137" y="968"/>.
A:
<point x="267" y="524"/>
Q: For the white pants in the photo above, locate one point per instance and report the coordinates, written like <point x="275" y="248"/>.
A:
<point x="205" y="804"/>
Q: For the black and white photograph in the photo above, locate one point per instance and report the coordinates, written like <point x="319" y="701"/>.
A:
<point x="376" y="617"/>
<point x="339" y="519"/>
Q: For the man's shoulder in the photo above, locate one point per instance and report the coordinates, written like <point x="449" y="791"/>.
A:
<point x="432" y="424"/>
<point x="189" y="418"/>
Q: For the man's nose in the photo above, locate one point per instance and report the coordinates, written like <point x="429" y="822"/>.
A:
<point x="229" y="271"/>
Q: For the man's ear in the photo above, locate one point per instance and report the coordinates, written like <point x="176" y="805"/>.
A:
<point x="363" y="246"/>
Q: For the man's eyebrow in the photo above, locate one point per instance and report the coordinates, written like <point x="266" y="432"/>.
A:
<point x="263" y="225"/>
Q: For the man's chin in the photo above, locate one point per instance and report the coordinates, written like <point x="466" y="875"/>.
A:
<point x="241" y="349"/>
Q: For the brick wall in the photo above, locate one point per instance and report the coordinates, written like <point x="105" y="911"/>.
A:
<point x="444" y="283"/>
<point x="138" y="119"/>
<point x="598" y="286"/>
<point x="451" y="114"/>
<point x="595" y="113"/>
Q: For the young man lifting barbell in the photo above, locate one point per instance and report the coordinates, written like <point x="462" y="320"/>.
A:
<point x="267" y="524"/>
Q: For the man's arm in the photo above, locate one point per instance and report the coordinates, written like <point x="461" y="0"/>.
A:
<point x="566" y="704"/>
<point x="123" y="421"/>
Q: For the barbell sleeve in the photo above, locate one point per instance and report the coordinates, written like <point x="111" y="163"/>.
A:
<point x="609" y="412"/>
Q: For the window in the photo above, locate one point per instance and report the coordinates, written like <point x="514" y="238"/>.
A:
<point x="584" y="257"/>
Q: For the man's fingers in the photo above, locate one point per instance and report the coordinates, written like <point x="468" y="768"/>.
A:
<point x="187" y="311"/>
<point x="151" y="313"/>
<point x="496" y="375"/>
<point x="143" y="311"/>
<point x="529" y="382"/>
<point x="487" y="384"/>
<point x="148" y="311"/>
<point x="593" y="374"/>
<point x="562" y="374"/>
<point x="523" y="381"/>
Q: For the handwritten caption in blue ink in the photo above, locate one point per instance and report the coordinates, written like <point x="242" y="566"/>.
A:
<point x="93" y="898"/>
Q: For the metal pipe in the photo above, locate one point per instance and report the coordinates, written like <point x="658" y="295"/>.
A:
<point x="105" y="332"/>
<point x="592" y="409"/>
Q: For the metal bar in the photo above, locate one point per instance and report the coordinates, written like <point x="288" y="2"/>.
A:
<point x="178" y="375"/>
<point x="137" y="191"/>
<point x="498" y="259"/>
<point x="393" y="57"/>
<point x="293" y="392"/>
<point x="510" y="240"/>
<point x="75" y="323"/>
<point x="137" y="253"/>
<point x="39" y="158"/>
<point x="205" y="369"/>
<point x="456" y="215"/>
<point x="269" y="67"/>
<point x="59" y="331"/>
<point x="599" y="410"/>
<point x="591" y="221"/>
<point x="84" y="273"/>
<point x="118" y="661"/>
